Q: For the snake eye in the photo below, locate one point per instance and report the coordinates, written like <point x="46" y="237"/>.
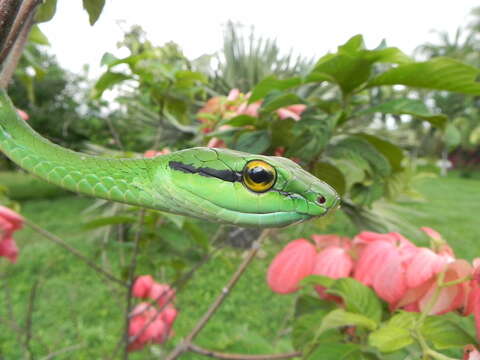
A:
<point x="259" y="176"/>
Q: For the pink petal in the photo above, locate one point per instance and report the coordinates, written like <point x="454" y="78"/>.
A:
<point x="161" y="293"/>
<point x="233" y="95"/>
<point x="23" y="114"/>
<point x="216" y="143"/>
<point x="290" y="266"/>
<point x="390" y="283"/>
<point x="424" y="265"/>
<point x="372" y="260"/>
<point x="431" y="233"/>
<point x="9" y="249"/>
<point x="333" y="262"/>
<point x="12" y="217"/>
<point x="470" y="352"/>
<point x="284" y="113"/>
<point x="142" y="286"/>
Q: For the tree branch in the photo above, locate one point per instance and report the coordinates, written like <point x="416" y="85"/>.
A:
<point x="8" y="14"/>
<point x="219" y="355"/>
<point x="25" y="15"/>
<point x="187" y="342"/>
<point x="74" y="251"/>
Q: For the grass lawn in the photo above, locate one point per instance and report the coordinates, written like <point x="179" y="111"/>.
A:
<point x="75" y="307"/>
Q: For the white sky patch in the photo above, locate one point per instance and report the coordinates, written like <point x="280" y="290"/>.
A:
<point x="310" y="28"/>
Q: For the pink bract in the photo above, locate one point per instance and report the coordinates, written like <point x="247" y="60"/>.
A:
<point x="142" y="286"/>
<point x="290" y="266"/>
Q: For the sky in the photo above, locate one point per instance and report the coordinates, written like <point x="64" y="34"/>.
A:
<point x="308" y="27"/>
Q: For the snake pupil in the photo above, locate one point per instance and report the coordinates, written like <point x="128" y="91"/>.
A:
<point x="260" y="175"/>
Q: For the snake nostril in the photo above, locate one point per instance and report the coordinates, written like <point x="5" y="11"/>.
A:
<point x="321" y="199"/>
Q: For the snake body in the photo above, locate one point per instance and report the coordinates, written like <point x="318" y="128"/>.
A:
<point x="215" y="184"/>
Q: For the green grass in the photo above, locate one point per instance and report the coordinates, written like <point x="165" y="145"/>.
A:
<point x="75" y="306"/>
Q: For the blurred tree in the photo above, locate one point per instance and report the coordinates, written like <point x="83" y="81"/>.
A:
<point x="245" y="60"/>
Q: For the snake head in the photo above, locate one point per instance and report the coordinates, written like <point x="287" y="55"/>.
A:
<point x="244" y="189"/>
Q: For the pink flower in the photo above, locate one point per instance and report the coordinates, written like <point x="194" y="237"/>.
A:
<point x="10" y="222"/>
<point x="470" y="352"/>
<point x="323" y="241"/>
<point x="380" y="266"/>
<point x="154" y="153"/>
<point x="290" y="266"/>
<point x="142" y="286"/>
<point x="23" y="114"/>
<point x="292" y="111"/>
<point x="216" y="143"/>
<point x="424" y="265"/>
<point x="162" y="294"/>
<point x="334" y="262"/>
<point x="249" y="109"/>
<point x="431" y="233"/>
<point x="233" y="95"/>
<point x="9" y="249"/>
<point x="451" y="297"/>
<point x="147" y="325"/>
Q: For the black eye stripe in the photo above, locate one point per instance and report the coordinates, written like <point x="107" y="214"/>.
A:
<point x="225" y="175"/>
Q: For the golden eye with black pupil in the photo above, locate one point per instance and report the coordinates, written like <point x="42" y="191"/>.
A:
<point x="259" y="176"/>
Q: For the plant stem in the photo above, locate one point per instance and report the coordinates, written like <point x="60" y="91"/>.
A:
<point x="73" y="251"/>
<point x="131" y="277"/>
<point x="186" y="343"/>
<point x="219" y="355"/>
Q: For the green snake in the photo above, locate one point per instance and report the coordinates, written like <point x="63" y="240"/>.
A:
<point x="219" y="185"/>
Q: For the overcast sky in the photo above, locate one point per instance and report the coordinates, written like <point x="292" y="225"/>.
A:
<point x="310" y="28"/>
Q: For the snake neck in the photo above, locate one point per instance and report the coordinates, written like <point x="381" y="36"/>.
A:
<point x="123" y="180"/>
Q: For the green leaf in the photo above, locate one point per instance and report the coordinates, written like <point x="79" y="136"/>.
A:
<point x="335" y="351"/>
<point x="331" y="175"/>
<point x="392" y="152"/>
<point x="351" y="172"/>
<point x="366" y="195"/>
<point x="358" y="298"/>
<point x="340" y="318"/>
<point x="241" y="120"/>
<point x="107" y="80"/>
<point x="352" y="65"/>
<point x="307" y="304"/>
<point x="109" y="59"/>
<point x="404" y="320"/>
<point x="452" y="136"/>
<point x="390" y="338"/>
<point x="436" y="74"/>
<point x="276" y="101"/>
<point x="317" y="280"/>
<point x="46" y="11"/>
<point x="255" y="142"/>
<point x="474" y="137"/>
<point x="413" y="107"/>
<point x="444" y="333"/>
<point x="281" y="130"/>
<point x="107" y="221"/>
<point x="305" y="328"/>
<point x="94" y="9"/>
<point x="360" y="151"/>
<point x="37" y="36"/>
<point x="271" y="83"/>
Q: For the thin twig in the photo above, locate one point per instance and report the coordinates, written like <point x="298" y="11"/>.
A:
<point x="62" y="351"/>
<point x="219" y="355"/>
<point x="74" y="251"/>
<point x="131" y="277"/>
<point x="25" y="14"/>
<point x="185" y="344"/>
<point x="28" y="321"/>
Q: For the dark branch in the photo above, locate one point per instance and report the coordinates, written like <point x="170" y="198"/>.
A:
<point x="219" y="355"/>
